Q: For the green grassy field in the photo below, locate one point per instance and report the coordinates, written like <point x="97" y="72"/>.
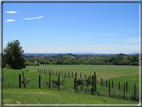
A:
<point x="116" y="73"/>
<point x="102" y="71"/>
<point x="45" y="96"/>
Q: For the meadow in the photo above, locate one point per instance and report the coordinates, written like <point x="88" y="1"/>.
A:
<point x="102" y="71"/>
<point x="107" y="72"/>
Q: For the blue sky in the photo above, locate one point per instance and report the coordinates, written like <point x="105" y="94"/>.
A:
<point x="72" y="27"/>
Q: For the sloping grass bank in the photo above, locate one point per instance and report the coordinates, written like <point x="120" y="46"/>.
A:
<point x="46" y="96"/>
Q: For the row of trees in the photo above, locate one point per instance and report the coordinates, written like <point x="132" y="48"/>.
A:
<point x="98" y="60"/>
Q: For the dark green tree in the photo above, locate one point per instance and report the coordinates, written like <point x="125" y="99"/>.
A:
<point x="3" y="60"/>
<point x="135" y="58"/>
<point x="14" y="55"/>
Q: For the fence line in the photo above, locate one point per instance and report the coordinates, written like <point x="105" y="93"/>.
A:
<point x="109" y="84"/>
<point x="63" y="73"/>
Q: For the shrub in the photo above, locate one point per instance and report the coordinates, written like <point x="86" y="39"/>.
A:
<point x="26" y="70"/>
<point x="135" y="63"/>
<point x="27" y="64"/>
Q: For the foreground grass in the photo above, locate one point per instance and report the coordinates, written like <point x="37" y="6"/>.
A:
<point x="45" y="96"/>
<point x="33" y="95"/>
<point x="12" y="81"/>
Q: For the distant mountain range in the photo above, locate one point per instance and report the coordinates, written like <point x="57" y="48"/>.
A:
<point x="78" y="53"/>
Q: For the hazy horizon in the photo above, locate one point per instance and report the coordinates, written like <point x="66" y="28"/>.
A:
<point x="82" y="53"/>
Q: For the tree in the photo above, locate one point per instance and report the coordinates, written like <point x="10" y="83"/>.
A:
<point x="3" y="60"/>
<point x="135" y="58"/>
<point x="14" y="55"/>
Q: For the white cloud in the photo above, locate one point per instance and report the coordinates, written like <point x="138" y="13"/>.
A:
<point x="11" y="12"/>
<point x="39" y="17"/>
<point x="127" y="40"/>
<point x="28" y="19"/>
<point x="131" y="40"/>
<point x="10" y="20"/>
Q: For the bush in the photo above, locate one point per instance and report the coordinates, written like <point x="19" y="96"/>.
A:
<point x="124" y="62"/>
<point x="27" y="64"/>
<point x="27" y="70"/>
<point x="135" y="63"/>
<point x="7" y="66"/>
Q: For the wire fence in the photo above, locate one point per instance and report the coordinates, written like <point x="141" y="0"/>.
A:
<point x="69" y="82"/>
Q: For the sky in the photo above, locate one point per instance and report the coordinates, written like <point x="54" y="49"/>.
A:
<point x="72" y="27"/>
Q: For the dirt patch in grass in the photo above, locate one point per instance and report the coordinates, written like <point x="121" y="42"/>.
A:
<point x="42" y="93"/>
<point x="18" y="102"/>
<point x="6" y="100"/>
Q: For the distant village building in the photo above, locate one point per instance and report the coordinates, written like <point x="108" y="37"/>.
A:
<point x="36" y="62"/>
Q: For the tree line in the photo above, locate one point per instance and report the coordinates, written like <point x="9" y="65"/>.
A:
<point x="86" y="60"/>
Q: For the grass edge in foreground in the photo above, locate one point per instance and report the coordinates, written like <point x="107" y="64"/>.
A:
<point x="46" y="96"/>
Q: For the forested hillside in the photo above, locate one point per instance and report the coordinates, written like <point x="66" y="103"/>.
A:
<point x="72" y="59"/>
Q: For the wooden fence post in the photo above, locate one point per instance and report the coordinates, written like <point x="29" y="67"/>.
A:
<point x="85" y="76"/>
<point x="80" y="75"/>
<point x="62" y="73"/>
<point x="65" y="73"/>
<point x="124" y="91"/>
<point x="94" y="73"/>
<point x="59" y="73"/>
<point x="74" y="84"/>
<point x="76" y="75"/>
<point x="112" y="84"/>
<point x="39" y="81"/>
<point x="134" y="90"/>
<point x="126" y="86"/>
<point x="119" y="86"/>
<point x="109" y="89"/>
<point x="95" y="81"/>
<point x="19" y="80"/>
<point x="24" y="79"/>
<point x="49" y="80"/>
<point x="101" y="81"/>
<point x="92" y="90"/>
<point x="58" y="83"/>
<point x="68" y="73"/>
